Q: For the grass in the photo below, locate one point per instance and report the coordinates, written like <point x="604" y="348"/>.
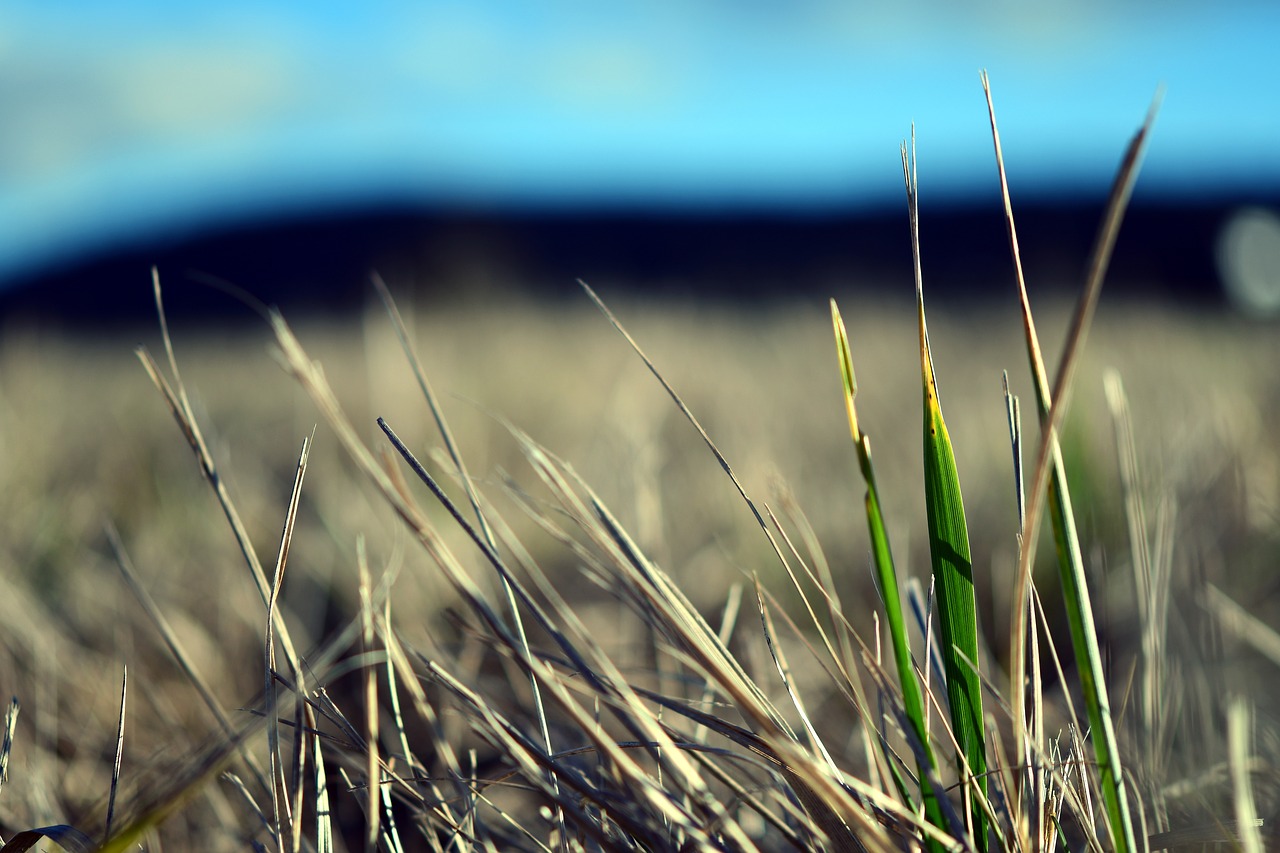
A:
<point x="369" y="643"/>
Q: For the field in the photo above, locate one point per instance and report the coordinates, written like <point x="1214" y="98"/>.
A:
<point x="87" y="446"/>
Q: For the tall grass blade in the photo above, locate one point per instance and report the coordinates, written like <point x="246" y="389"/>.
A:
<point x="1239" y="725"/>
<point x="297" y="777"/>
<point x="175" y="397"/>
<point x="687" y="412"/>
<point x="788" y="682"/>
<point x="838" y="830"/>
<point x="607" y="683"/>
<point x="402" y="334"/>
<point x="887" y="575"/>
<point x="949" y="553"/>
<point x="323" y="811"/>
<point x="115" y="769"/>
<point x="280" y="800"/>
<point x="1153" y="582"/>
<point x="1013" y="413"/>
<point x="1049" y="482"/>
<point x="373" y="767"/>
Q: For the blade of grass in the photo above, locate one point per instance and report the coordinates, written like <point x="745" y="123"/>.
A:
<point x="115" y="769"/>
<point x="373" y="771"/>
<point x="1034" y="775"/>
<point x="1049" y="482"/>
<point x="887" y="576"/>
<point x="175" y="397"/>
<point x="688" y="414"/>
<point x="697" y="637"/>
<point x="323" y="811"/>
<point x="1239" y="725"/>
<point x="825" y="816"/>
<point x="312" y="379"/>
<point x="393" y="693"/>
<point x="1152" y="579"/>
<point x="825" y="581"/>
<point x="1013" y="414"/>
<point x="298" y="770"/>
<point x="784" y="672"/>
<point x="949" y="550"/>
<point x="280" y="800"/>
<point x="402" y="334"/>
<point x="881" y="758"/>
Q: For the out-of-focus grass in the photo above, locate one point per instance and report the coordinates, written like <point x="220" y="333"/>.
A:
<point x="85" y="440"/>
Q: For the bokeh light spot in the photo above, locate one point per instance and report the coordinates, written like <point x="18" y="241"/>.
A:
<point x="1249" y="261"/>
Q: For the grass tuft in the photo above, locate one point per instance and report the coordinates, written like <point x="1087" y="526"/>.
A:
<point x="522" y="660"/>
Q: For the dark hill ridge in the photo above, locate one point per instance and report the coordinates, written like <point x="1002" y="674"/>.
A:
<point x="321" y="263"/>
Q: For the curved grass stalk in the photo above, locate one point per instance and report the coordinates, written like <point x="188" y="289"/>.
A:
<point x="1049" y="483"/>
<point x="949" y="555"/>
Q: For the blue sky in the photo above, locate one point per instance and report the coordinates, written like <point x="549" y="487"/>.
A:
<point x="127" y="120"/>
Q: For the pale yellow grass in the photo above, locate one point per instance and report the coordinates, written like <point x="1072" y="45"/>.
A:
<point x="85" y="440"/>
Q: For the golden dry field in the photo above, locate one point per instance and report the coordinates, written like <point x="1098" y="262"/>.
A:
<point x="87" y="445"/>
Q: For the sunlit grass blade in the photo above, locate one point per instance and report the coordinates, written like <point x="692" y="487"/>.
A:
<point x="1239" y="723"/>
<point x="280" y="799"/>
<point x="1049" y="483"/>
<point x="949" y="554"/>
<point x="887" y="575"/>
<point x="115" y="770"/>
<point x="179" y="404"/>
<point x="320" y="788"/>
<point x="446" y="433"/>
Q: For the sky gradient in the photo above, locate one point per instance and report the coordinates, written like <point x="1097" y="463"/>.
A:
<point x="126" y="120"/>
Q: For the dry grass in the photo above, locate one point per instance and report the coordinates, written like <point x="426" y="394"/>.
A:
<point x="85" y="441"/>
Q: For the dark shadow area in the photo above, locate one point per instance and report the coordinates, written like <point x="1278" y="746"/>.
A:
<point x="320" y="264"/>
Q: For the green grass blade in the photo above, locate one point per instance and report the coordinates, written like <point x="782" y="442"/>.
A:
<point x="1049" y="484"/>
<point x="957" y="606"/>
<point x="886" y="574"/>
<point x="949" y="554"/>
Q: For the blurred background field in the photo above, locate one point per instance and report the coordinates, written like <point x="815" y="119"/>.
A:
<point x="716" y="176"/>
<point x="88" y="442"/>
